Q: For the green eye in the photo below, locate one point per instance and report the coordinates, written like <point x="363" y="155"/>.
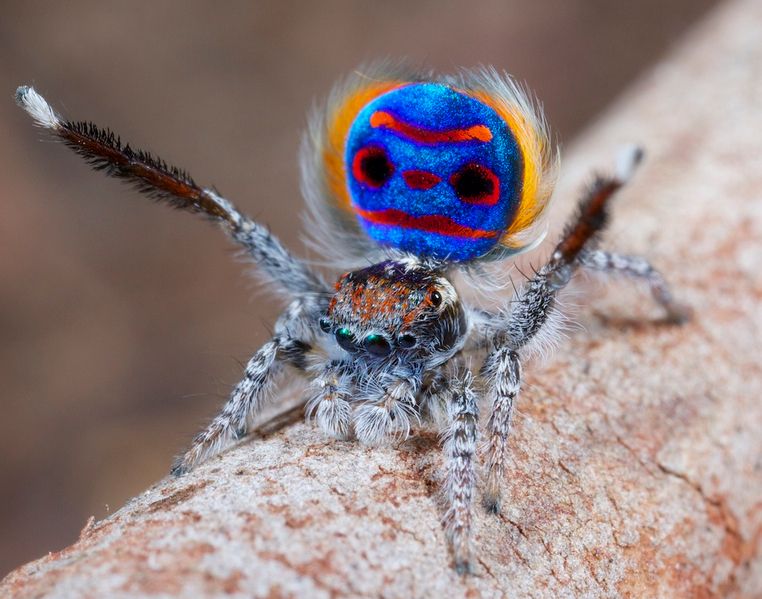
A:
<point x="377" y="345"/>
<point x="346" y="339"/>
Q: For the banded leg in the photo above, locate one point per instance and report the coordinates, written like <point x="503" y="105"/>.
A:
<point x="330" y="401"/>
<point x="151" y="175"/>
<point x="245" y="401"/>
<point x="460" y="482"/>
<point x="533" y="312"/>
<point x="502" y="370"/>
<point x="638" y="268"/>
<point x="390" y="412"/>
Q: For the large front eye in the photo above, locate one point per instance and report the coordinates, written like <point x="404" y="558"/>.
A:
<point x="377" y="345"/>
<point x="346" y="340"/>
<point x="476" y="184"/>
<point x="371" y="166"/>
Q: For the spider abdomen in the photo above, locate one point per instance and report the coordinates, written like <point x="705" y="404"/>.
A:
<point x="409" y="149"/>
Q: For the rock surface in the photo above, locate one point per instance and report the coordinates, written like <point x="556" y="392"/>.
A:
<point x="636" y="466"/>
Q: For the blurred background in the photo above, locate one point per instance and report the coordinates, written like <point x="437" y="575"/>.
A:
<point x="123" y="324"/>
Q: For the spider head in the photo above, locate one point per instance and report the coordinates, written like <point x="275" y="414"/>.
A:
<point x="395" y="309"/>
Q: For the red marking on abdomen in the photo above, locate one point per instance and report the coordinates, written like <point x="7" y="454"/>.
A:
<point x="430" y="223"/>
<point x="429" y="136"/>
<point x="420" y="179"/>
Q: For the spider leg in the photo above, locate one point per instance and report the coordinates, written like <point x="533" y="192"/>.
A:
<point x="433" y="395"/>
<point x="249" y="395"/>
<point x="103" y="150"/>
<point x="638" y="267"/>
<point x="391" y="403"/>
<point x="330" y="402"/>
<point x="503" y="371"/>
<point x="460" y="453"/>
<point x="531" y="315"/>
<point x="247" y="398"/>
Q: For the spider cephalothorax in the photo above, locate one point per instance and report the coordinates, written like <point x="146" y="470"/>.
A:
<point x="422" y="175"/>
<point x="396" y="310"/>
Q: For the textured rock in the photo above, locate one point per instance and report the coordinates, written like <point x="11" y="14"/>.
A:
<point x="636" y="466"/>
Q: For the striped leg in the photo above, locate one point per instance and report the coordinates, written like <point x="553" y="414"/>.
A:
<point x="460" y="453"/>
<point x="152" y="176"/>
<point x="533" y="312"/>
<point x="245" y="401"/>
<point x="502" y="371"/>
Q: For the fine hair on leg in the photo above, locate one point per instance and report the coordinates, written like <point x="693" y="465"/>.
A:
<point x="104" y="151"/>
<point x="534" y="313"/>
<point x="245" y="401"/>
<point x="329" y="403"/>
<point x="502" y="372"/>
<point x="460" y="449"/>
<point x="389" y="403"/>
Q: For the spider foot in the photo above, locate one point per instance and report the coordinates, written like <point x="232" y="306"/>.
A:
<point x="492" y="499"/>
<point x="463" y="567"/>
<point x="678" y="313"/>
<point x="333" y="416"/>
<point x="492" y="505"/>
<point x="179" y="469"/>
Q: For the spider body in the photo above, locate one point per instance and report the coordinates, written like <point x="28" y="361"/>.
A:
<point x="415" y="177"/>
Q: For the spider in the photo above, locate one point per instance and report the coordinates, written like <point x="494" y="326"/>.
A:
<point x="422" y="177"/>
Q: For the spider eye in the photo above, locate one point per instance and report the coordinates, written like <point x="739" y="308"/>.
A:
<point x="346" y="340"/>
<point x="436" y="298"/>
<point x="407" y="341"/>
<point x="371" y="166"/>
<point x="476" y="184"/>
<point x="325" y="325"/>
<point x="377" y="345"/>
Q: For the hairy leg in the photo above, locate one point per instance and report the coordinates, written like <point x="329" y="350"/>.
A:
<point x="246" y="399"/>
<point x="460" y="453"/>
<point x="533" y="311"/>
<point x="638" y="268"/>
<point x="249" y="395"/>
<point x="432" y="398"/>
<point x="330" y="399"/>
<point x="502" y="371"/>
<point x="151" y="175"/>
